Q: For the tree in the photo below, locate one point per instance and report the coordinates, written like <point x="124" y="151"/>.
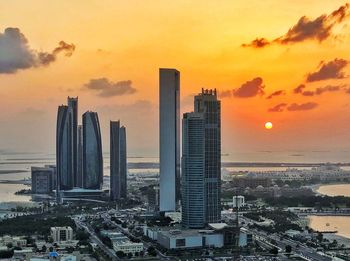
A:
<point x="274" y="251"/>
<point x="44" y="248"/>
<point x="129" y="255"/>
<point x="120" y="254"/>
<point x="288" y="249"/>
<point x="319" y="237"/>
<point x="152" y="251"/>
<point x="9" y="245"/>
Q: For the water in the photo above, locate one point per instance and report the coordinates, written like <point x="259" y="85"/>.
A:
<point x="335" y="223"/>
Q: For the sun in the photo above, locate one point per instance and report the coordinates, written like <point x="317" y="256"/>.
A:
<point x="268" y="125"/>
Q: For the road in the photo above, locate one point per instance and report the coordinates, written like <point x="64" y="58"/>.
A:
<point x="302" y="250"/>
<point x="106" y="217"/>
<point x="93" y="237"/>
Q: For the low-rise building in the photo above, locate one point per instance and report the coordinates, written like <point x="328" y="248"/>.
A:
<point x="14" y="241"/>
<point x="42" y="180"/>
<point x="126" y="246"/>
<point x="238" y="201"/>
<point x="122" y="243"/>
<point x="60" y="234"/>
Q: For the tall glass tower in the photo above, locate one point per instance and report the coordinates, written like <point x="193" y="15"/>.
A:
<point x="64" y="150"/>
<point x="118" y="169"/>
<point x="192" y="179"/>
<point x="201" y="162"/>
<point x="92" y="152"/>
<point x="73" y="125"/>
<point x="208" y="104"/>
<point x="169" y="138"/>
<point x="79" y="181"/>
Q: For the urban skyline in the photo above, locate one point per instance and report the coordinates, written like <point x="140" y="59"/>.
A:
<point x="175" y="130"/>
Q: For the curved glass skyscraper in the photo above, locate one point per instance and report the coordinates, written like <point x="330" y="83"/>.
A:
<point x="92" y="152"/>
<point x="64" y="157"/>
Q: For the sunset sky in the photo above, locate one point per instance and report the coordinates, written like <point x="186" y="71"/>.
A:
<point x="286" y="62"/>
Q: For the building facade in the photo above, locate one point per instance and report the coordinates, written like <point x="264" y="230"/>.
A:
<point x="169" y="138"/>
<point x="92" y="152"/>
<point x="63" y="150"/>
<point x="208" y="104"/>
<point x="192" y="180"/>
<point x="73" y="129"/>
<point x="59" y="234"/>
<point x="42" y="180"/>
<point x="118" y="168"/>
<point x="79" y="181"/>
<point x="201" y="162"/>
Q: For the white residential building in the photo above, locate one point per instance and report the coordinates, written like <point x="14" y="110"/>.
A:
<point x="60" y="234"/>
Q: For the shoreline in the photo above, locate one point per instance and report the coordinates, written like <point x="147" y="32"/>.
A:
<point x="316" y="187"/>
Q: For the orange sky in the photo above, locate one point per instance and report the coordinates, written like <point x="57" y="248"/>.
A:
<point x="130" y="40"/>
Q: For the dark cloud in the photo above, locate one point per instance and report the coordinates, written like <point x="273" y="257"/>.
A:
<point x="257" y="43"/>
<point x="308" y="93"/>
<point x="276" y="93"/>
<point x="302" y="107"/>
<point x="107" y="88"/>
<point x="278" y="108"/>
<point x="47" y="58"/>
<point x="299" y="89"/>
<point x="225" y="94"/>
<point x="250" y="88"/>
<point x="330" y="70"/>
<point x="307" y="29"/>
<point x="16" y="54"/>
<point x="320" y="90"/>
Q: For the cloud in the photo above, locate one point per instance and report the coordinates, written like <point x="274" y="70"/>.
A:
<point x="307" y="29"/>
<point x="47" y="58"/>
<point x="278" y="108"/>
<point x="257" y="43"/>
<point x="225" y="94"/>
<point x="308" y="93"/>
<point x="107" y="88"/>
<point x="16" y="54"/>
<point x="330" y="70"/>
<point x="299" y="89"/>
<point x="276" y="93"/>
<point x="321" y="90"/>
<point x="302" y="107"/>
<point x="250" y="88"/>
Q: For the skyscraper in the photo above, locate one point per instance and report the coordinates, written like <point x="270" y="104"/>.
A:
<point x="73" y="125"/>
<point x="79" y="183"/>
<point x="118" y="168"/>
<point x="63" y="150"/>
<point x="169" y="133"/>
<point x="201" y="162"/>
<point x="208" y="104"/>
<point x="193" y="164"/>
<point x="92" y="152"/>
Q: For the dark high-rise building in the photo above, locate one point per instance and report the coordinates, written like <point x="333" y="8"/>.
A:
<point x="64" y="150"/>
<point x="73" y="125"/>
<point x="208" y="104"/>
<point x="169" y="142"/>
<point x="79" y="181"/>
<point x="118" y="168"/>
<point x="193" y="198"/>
<point x="201" y="162"/>
<point x="92" y="152"/>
